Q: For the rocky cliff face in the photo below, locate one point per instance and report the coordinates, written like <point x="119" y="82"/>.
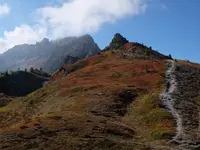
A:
<point x="81" y="47"/>
<point x="49" y="55"/>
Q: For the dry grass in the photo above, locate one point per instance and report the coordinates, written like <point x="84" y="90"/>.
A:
<point x="197" y="100"/>
<point x="192" y="64"/>
<point x="156" y="123"/>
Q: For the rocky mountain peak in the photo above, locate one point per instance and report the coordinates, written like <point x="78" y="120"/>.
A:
<point x="45" y="40"/>
<point x="119" y="38"/>
<point x="117" y="42"/>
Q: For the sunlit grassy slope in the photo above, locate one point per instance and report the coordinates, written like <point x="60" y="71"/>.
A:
<point x="105" y="102"/>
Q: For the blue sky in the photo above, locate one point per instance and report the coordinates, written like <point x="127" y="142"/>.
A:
<point x="169" y="26"/>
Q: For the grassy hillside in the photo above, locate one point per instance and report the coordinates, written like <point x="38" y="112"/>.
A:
<point x="104" y="102"/>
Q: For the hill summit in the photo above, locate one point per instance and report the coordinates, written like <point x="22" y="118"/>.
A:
<point x="117" y="42"/>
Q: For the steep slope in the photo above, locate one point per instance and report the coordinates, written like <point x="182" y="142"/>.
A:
<point x="187" y="103"/>
<point x="21" y="83"/>
<point x="46" y="54"/>
<point x="182" y="99"/>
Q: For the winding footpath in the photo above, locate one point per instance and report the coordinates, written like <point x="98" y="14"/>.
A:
<point x="183" y="110"/>
<point x="167" y="97"/>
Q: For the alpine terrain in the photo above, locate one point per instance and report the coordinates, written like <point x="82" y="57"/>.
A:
<point x="125" y="97"/>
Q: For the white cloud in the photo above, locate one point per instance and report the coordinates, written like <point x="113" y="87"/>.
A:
<point x="4" y="9"/>
<point x="72" y="17"/>
<point x="20" y="35"/>
<point x="85" y="16"/>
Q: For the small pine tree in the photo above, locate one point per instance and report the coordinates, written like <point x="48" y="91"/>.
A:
<point x="170" y="56"/>
<point x="25" y="70"/>
<point x="31" y="69"/>
<point x="6" y="73"/>
<point x="40" y="69"/>
<point x="146" y="52"/>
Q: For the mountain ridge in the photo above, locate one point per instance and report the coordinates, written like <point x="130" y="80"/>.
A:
<point x="47" y="54"/>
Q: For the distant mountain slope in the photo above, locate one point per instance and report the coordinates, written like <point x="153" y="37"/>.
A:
<point x="46" y="54"/>
<point x="81" y="47"/>
<point x="21" y="83"/>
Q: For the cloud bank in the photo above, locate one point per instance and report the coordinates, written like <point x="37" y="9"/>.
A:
<point x="71" y="18"/>
<point x="4" y="9"/>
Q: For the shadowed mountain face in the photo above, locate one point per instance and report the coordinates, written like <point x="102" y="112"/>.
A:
<point x="46" y="54"/>
<point x="21" y="83"/>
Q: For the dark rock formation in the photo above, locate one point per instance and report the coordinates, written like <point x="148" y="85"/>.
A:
<point x="4" y="100"/>
<point x="71" y="60"/>
<point x="117" y="42"/>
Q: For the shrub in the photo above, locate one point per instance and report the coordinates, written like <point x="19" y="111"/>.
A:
<point x="116" y="75"/>
<point x="77" y="89"/>
<point x="159" y="122"/>
<point x="146" y="51"/>
<point x="197" y="100"/>
<point x="162" y="133"/>
<point x="6" y="73"/>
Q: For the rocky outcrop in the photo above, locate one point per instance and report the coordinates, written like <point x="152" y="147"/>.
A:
<point x="70" y="60"/>
<point x="137" y="50"/>
<point x="4" y="100"/>
<point x="180" y="98"/>
<point x="117" y="42"/>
